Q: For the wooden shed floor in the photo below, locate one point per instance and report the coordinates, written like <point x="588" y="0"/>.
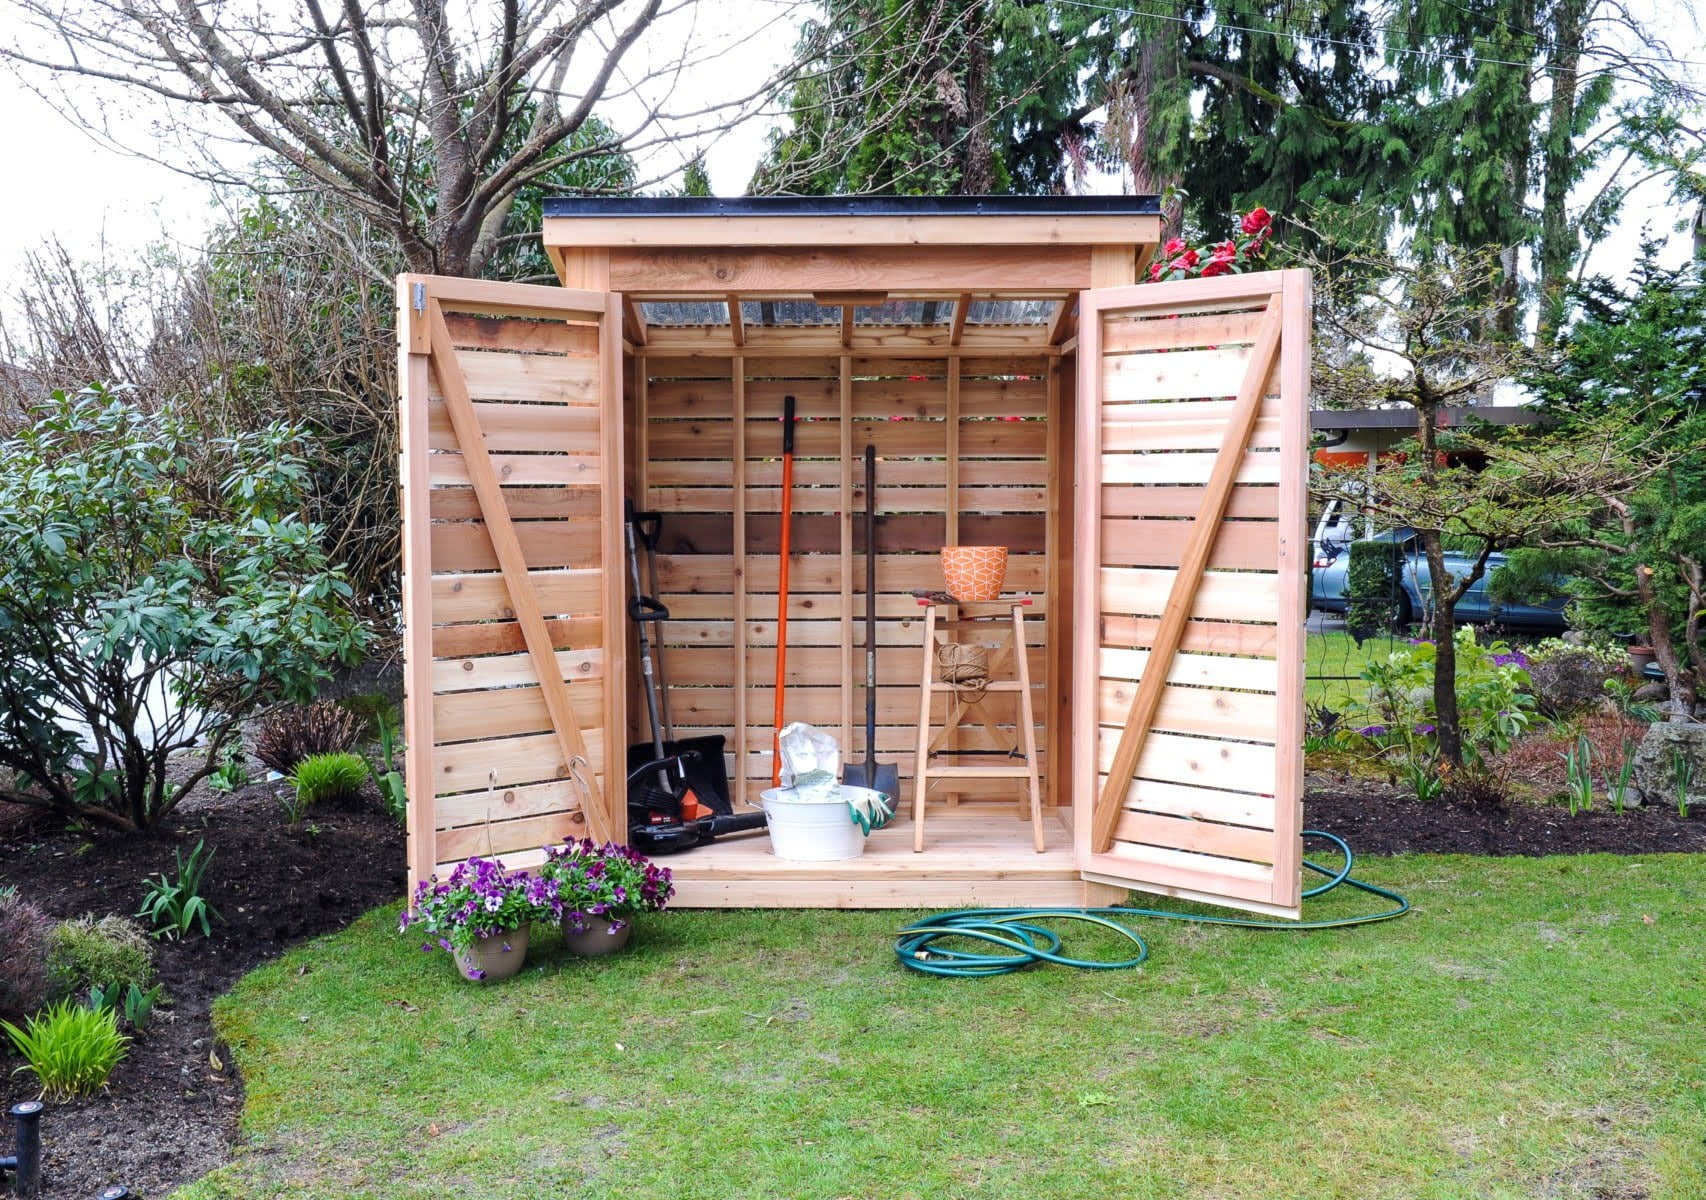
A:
<point x="974" y="856"/>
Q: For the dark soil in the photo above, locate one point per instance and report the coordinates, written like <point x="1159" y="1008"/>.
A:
<point x="171" y="1111"/>
<point x="1377" y="819"/>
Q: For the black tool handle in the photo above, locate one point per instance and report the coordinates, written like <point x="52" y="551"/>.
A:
<point x="787" y="424"/>
<point x="648" y="526"/>
<point x="870" y="614"/>
<point x="645" y="608"/>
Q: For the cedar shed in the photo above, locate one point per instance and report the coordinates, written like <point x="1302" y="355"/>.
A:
<point x="1140" y="449"/>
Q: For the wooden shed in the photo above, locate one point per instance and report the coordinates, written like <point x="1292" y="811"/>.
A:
<point x="1141" y="449"/>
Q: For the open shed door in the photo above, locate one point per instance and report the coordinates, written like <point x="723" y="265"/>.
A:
<point x="512" y="567"/>
<point x="1190" y="575"/>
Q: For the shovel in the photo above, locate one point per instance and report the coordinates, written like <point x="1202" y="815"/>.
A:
<point x="881" y="777"/>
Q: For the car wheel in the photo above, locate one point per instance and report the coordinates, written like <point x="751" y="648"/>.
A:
<point x="1403" y="612"/>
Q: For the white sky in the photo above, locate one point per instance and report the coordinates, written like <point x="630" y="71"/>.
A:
<point x="107" y="204"/>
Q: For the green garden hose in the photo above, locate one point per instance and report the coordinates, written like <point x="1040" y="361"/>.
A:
<point x="1022" y="942"/>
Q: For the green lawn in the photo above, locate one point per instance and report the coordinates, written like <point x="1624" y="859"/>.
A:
<point x="1534" y="1029"/>
<point x="1336" y="653"/>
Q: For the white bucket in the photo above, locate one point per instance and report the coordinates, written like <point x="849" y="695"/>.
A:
<point x="806" y="832"/>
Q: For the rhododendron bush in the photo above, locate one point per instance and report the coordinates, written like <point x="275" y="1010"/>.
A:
<point x="1244" y="251"/>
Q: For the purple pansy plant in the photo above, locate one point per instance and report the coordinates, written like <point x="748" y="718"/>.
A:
<point x="609" y="881"/>
<point x="480" y="899"/>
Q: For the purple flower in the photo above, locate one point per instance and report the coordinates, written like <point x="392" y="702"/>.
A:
<point x="1370" y="731"/>
<point x="1424" y="728"/>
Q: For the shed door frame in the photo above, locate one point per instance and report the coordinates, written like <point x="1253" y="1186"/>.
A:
<point x="1187" y="838"/>
<point x="427" y="354"/>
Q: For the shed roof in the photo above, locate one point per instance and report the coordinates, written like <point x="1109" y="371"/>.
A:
<point x="851" y="206"/>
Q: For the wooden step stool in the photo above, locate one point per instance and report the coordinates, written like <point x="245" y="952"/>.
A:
<point x="984" y="618"/>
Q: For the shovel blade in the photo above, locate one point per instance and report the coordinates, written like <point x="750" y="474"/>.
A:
<point x="879" y="777"/>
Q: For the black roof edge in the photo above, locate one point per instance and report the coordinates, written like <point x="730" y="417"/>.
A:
<point x="851" y="206"/>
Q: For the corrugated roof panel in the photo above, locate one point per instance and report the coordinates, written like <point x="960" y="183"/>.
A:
<point x="684" y="312"/>
<point x="1009" y="312"/>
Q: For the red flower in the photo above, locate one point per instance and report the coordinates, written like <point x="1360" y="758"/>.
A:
<point x="1173" y="247"/>
<point x="1155" y="272"/>
<point x="1216" y="266"/>
<point x="1185" y="261"/>
<point x="1256" y="220"/>
<point x="1226" y="250"/>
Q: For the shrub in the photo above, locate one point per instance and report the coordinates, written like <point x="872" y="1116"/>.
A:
<point x="325" y="779"/>
<point x="375" y="710"/>
<point x="1372" y="588"/>
<point x="88" y="952"/>
<point x="24" y="980"/>
<point x="173" y="906"/>
<point x="71" y="1049"/>
<point x="297" y="731"/>
<point x="1397" y="717"/>
<point x="156" y="586"/>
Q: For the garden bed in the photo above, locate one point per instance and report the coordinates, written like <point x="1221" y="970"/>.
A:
<point x="1377" y="819"/>
<point x="171" y="1113"/>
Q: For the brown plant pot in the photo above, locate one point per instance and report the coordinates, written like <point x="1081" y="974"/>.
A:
<point x="1642" y="657"/>
<point x="595" y="937"/>
<point x="496" y="957"/>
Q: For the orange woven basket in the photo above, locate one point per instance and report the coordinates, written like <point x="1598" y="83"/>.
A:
<point x="974" y="572"/>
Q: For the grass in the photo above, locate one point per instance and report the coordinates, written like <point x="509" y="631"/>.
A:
<point x="1335" y="652"/>
<point x="1532" y="1030"/>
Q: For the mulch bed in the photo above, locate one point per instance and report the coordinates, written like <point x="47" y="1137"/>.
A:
<point x="170" y="1114"/>
<point x="1377" y="819"/>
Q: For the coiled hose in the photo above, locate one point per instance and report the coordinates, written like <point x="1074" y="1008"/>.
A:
<point x="1022" y="942"/>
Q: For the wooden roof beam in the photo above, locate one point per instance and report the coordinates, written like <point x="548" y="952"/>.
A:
<point x="847" y="326"/>
<point x="962" y="309"/>
<point x="1062" y="321"/>
<point x="737" y="322"/>
<point x="633" y="321"/>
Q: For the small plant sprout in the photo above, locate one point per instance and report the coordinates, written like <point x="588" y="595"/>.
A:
<point x="133" y="1003"/>
<point x="388" y="779"/>
<point x="173" y="906"/>
<point x="231" y="773"/>
<point x="1578" y="776"/>
<point x="1617" y="786"/>
<point x="1681" y="778"/>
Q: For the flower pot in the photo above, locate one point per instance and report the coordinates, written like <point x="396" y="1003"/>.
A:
<point x="1641" y="657"/>
<point x="974" y="572"/>
<point x="497" y="956"/>
<point x="594" y="937"/>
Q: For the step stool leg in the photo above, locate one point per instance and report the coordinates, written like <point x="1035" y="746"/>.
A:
<point x="1028" y="726"/>
<point x="921" y="768"/>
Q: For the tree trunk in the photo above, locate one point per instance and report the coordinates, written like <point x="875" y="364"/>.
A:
<point x="1558" y="244"/>
<point x="1678" y="678"/>
<point x="1442" y="624"/>
<point x="977" y="173"/>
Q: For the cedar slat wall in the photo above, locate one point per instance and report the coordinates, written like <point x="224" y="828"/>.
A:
<point x="1214" y="807"/>
<point x="900" y="406"/>
<point x="499" y="780"/>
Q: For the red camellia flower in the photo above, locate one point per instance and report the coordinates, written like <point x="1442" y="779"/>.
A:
<point x="1173" y="247"/>
<point x="1256" y="220"/>
<point x="1155" y="271"/>
<point x="1226" y="250"/>
<point x="1185" y="261"/>
<point x="1216" y="266"/>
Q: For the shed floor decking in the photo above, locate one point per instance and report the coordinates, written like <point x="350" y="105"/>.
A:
<point x="974" y="855"/>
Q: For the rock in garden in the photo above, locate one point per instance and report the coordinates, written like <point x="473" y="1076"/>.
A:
<point x="1668" y="746"/>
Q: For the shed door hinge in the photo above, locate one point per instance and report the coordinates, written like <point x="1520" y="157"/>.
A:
<point x="418" y="297"/>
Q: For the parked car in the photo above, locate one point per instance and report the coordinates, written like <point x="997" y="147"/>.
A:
<point x="1328" y="591"/>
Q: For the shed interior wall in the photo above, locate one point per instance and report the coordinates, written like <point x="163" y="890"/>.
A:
<point x="969" y="452"/>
